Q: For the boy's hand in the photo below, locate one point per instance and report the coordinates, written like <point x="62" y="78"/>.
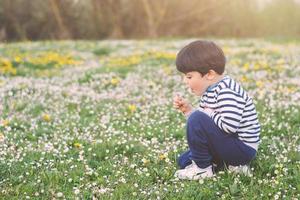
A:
<point x="181" y="104"/>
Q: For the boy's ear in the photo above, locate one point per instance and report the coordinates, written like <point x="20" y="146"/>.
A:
<point x="211" y="74"/>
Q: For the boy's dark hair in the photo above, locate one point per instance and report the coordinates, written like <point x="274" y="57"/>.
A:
<point x="201" y="56"/>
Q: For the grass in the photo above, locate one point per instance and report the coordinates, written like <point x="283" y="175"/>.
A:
<point x="107" y="130"/>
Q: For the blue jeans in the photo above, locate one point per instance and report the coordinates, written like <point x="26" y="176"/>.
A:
<point x="209" y="144"/>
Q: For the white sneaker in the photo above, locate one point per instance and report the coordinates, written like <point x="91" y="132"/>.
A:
<point x="193" y="172"/>
<point x="241" y="169"/>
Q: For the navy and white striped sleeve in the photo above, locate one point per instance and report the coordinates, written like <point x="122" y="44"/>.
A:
<point x="230" y="110"/>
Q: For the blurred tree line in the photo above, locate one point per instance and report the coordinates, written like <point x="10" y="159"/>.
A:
<point x="99" y="19"/>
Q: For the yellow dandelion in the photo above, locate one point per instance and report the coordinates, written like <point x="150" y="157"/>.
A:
<point x="164" y="55"/>
<point x="257" y="66"/>
<point x="246" y="66"/>
<point x="54" y="58"/>
<point x="125" y="61"/>
<point x="259" y="84"/>
<point x="132" y="108"/>
<point x="18" y="59"/>
<point x="133" y="60"/>
<point x="145" y="161"/>
<point x="114" y="81"/>
<point x="6" y="67"/>
<point x="2" y="137"/>
<point x="162" y="156"/>
<point x="46" y="117"/>
<point x="244" y="79"/>
<point x="77" y="145"/>
<point x="264" y="65"/>
<point x="5" y="122"/>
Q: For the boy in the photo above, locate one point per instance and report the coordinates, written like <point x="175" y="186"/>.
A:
<point x="224" y="129"/>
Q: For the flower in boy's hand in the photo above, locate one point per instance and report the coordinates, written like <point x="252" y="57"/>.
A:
<point x="181" y="104"/>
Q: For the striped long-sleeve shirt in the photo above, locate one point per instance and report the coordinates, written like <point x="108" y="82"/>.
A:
<point x="233" y="110"/>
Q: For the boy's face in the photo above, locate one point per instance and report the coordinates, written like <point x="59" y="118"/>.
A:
<point x="196" y="82"/>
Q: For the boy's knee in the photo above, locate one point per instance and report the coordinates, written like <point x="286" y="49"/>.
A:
<point x="197" y="117"/>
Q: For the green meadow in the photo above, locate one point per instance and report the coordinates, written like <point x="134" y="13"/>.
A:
<point x="94" y="120"/>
